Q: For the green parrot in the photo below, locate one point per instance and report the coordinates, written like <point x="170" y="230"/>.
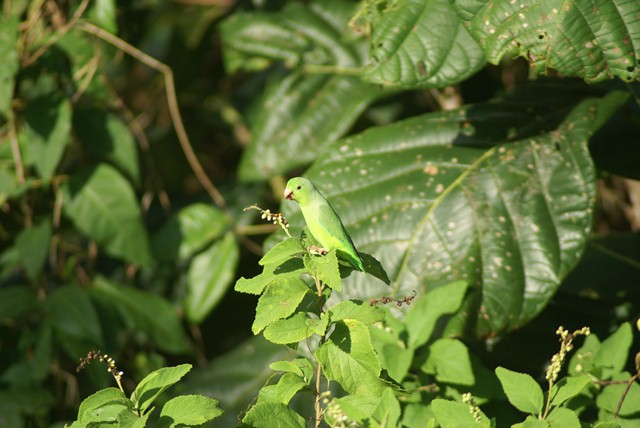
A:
<point x="322" y="220"/>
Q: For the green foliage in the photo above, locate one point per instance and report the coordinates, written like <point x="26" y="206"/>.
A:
<point x="490" y="204"/>
<point x="110" y="406"/>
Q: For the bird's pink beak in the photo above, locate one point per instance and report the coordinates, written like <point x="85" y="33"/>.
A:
<point x="288" y="194"/>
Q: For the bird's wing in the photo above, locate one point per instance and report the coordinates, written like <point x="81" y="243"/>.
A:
<point x="333" y="230"/>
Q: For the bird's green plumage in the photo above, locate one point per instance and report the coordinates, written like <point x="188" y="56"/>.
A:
<point x="322" y="220"/>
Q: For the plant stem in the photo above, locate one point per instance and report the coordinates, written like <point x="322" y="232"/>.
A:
<point x="318" y="409"/>
<point x="318" y="395"/>
<point x="624" y="394"/>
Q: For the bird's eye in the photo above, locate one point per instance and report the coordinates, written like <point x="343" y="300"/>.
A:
<point x="299" y="187"/>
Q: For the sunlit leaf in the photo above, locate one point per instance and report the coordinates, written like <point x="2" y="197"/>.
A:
<point x="594" y="41"/>
<point x="422" y="44"/>
<point x="483" y="194"/>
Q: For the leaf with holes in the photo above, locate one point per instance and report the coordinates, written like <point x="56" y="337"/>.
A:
<point x="499" y="195"/>
<point x="422" y="44"/>
<point x="592" y="40"/>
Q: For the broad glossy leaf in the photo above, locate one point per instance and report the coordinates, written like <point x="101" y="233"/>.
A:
<point x="613" y="352"/>
<point x="10" y="64"/>
<point x="189" y="231"/>
<point x="108" y="137"/>
<point x="299" y="33"/>
<point x="563" y="418"/>
<point x="356" y="310"/>
<point x="348" y="358"/>
<point x="422" y="44"/>
<point x="270" y="414"/>
<point x="279" y="301"/>
<point x="102" y="205"/>
<point x="521" y="390"/>
<point x="499" y="195"/>
<point x="288" y="330"/>
<point x="449" y="361"/>
<point x="101" y="398"/>
<point x="568" y="387"/>
<point x="325" y="268"/>
<point x="299" y="111"/>
<point x="300" y="114"/>
<point x="288" y="385"/>
<point x="452" y="414"/>
<point x="289" y="270"/>
<point x="148" y="313"/>
<point x="423" y="315"/>
<point x="188" y="410"/>
<point x="155" y="383"/>
<point x="235" y="377"/>
<point x="47" y="132"/>
<point x="210" y="275"/>
<point x="593" y="40"/>
<point x="282" y="252"/>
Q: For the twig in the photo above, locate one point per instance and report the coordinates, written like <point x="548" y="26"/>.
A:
<point x="172" y="102"/>
<point x="59" y="33"/>
<point x="15" y="148"/>
<point x="624" y="394"/>
<point x="255" y="229"/>
<point x="318" y="408"/>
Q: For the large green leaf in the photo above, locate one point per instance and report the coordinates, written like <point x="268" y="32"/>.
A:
<point x="210" y="275"/>
<point x="299" y="111"/>
<point x="107" y="136"/>
<point x="47" y="132"/>
<point x="348" y="358"/>
<point x="422" y="44"/>
<point x="145" y="312"/>
<point x="499" y="194"/>
<point x="102" y="205"/>
<point x="594" y="40"/>
<point x="33" y="247"/>
<point x="188" y="231"/>
<point x="10" y="64"/>
<point x="236" y="377"/>
<point x="74" y="315"/>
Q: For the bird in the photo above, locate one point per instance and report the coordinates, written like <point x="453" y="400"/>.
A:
<point x="322" y="220"/>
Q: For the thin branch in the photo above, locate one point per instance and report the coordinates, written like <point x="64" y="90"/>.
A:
<point x="59" y="33"/>
<point x="89" y="70"/>
<point x="174" y="111"/>
<point x="624" y="394"/>
<point x="251" y="246"/>
<point x="318" y="408"/>
<point x="15" y="148"/>
<point x="256" y="229"/>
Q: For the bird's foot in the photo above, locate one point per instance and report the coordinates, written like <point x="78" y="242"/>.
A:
<point x="317" y="250"/>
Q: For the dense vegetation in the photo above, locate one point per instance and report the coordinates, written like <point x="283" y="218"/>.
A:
<point x="483" y="155"/>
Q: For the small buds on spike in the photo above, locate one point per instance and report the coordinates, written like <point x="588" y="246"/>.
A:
<point x="275" y="218"/>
